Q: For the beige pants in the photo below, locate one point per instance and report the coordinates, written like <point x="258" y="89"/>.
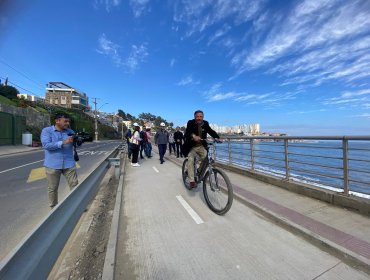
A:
<point x="202" y="153"/>
<point x="53" y="178"/>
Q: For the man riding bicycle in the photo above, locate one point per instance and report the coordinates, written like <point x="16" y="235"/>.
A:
<point x="196" y="130"/>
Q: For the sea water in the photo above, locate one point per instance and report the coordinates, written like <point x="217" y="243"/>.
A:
<point x="319" y="163"/>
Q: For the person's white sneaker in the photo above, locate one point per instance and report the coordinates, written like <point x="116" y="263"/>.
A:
<point x="136" y="165"/>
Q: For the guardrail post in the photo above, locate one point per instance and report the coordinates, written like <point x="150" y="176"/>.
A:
<point x="345" y="167"/>
<point x="252" y="154"/>
<point x="116" y="163"/>
<point x="286" y="158"/>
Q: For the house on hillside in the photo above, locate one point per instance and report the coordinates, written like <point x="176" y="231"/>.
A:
<point x="61" y="94"/>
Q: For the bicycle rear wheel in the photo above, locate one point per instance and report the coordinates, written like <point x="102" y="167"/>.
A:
<point x="185" y="177"/>
<point x="218" y="191"/>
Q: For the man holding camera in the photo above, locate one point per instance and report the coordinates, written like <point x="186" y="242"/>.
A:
<point x="58" y="143"/>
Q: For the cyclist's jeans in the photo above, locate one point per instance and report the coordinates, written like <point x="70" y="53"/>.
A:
<point x="53" y="178"/>
<point x="202" y="153"/>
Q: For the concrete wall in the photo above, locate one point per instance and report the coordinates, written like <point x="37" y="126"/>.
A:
<point x="358" y="204"/>
<point x="33" y="117"/>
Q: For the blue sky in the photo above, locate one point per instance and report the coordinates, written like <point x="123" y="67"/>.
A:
<point x="298" y="67"/>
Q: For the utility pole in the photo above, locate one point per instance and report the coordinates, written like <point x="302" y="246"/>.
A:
<point x="96" y="120"/>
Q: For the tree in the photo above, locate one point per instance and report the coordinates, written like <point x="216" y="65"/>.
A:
<point x="130" y="117"/>
<point x="122" y="114"/>
<point x="8" y="91"/>
<point x="147" y="116"/>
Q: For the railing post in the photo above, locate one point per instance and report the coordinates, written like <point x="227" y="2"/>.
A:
<point x="229" y="150"/>
<point x="345" y="167"/>
<point x="286" y="158"/>
<point x="252" y="154"/>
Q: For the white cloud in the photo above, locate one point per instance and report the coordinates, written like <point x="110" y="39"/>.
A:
<point x="139" y="7"/>
<point x="317" y="41"/>
<point x="107" y="3"/>
<point x="137" y="55"/>
<point x="188" y="81"/>
<point x="172" y="62"/>
<point x="199" y="15"/>
<point x="110" y="49"/>
<point x="132" y="62"/>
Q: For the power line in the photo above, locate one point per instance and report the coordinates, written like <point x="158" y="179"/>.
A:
<point x="19" y="86"/>
<point x="24" y="75"/>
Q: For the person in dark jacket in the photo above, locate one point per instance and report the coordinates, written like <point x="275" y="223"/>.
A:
<point x="196" y="130"/>
<point x="179" y="137"/>
<point x="161" y="140"/>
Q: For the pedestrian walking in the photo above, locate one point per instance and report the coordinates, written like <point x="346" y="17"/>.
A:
<point x="148" y="150"/>
<point x="143" y="141"/>
<point x="161" y="140"/>
<point x="135" y="145"/>
<point x="179" y="138"/>
<point x="171" y="143"/>
<point x="128" y="138"/>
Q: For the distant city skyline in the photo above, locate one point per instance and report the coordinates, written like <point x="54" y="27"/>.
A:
<point x="295" y="67"/>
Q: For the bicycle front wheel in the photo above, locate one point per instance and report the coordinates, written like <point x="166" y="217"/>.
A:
<point x="218" y="191"/>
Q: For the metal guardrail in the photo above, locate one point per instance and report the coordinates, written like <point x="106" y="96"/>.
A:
<point x="35" y="256"/>
<point x="339" y="162"/>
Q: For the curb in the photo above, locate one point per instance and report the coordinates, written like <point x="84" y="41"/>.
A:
<point x="110" y="256"/>
<point x="20" y="152"/>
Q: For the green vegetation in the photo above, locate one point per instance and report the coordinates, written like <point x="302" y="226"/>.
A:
<point x="6" y="101"/>
<point x="8" y="91"/>
<point x="80" y="121"/>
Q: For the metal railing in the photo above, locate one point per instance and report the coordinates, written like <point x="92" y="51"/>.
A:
<point x="339" y="163"/>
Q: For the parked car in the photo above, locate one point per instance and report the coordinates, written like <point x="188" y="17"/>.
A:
<point x="85" y="136"/>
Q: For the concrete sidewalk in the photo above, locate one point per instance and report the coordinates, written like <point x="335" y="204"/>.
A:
<point x="341" y="232"/>
<point x="16" y="149"/>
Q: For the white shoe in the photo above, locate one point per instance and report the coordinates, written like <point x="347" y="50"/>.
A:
<point x="135" y="165"/>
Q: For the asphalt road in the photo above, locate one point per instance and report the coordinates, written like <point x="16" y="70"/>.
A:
<point x="23" y="191"/>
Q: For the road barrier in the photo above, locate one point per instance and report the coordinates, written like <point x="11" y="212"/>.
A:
<point x="35" y="256"/>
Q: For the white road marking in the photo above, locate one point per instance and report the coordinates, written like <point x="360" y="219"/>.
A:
<point x="155" y="169"/>
<point x="20" y="166"/>
<point x="190" y="210"/>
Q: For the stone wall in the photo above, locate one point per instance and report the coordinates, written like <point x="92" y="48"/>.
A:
<point x="33" y="117"/>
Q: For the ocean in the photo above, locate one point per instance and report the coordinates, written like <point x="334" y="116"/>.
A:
<point x="319" y="163"/>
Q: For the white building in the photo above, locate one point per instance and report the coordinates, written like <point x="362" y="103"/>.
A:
<point x="30" y="97"/>
<point x="247" y="129"/>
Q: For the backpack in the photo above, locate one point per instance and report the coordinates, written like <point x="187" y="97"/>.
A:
<point x="143" y="136"/>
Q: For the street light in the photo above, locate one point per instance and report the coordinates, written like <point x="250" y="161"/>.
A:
<point x="96" y="120"/>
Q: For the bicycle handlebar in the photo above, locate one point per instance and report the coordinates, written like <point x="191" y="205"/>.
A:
<point x="212" y="141"/>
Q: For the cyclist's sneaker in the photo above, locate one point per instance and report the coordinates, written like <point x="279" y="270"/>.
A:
<point x="193" y="185"/>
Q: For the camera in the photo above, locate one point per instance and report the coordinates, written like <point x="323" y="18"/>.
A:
<point x="77" y="140"/>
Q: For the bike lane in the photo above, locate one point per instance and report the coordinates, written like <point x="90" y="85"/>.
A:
<point x="160" y="239"/>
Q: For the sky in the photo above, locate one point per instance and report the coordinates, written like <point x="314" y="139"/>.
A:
<point x="295" y="67"/>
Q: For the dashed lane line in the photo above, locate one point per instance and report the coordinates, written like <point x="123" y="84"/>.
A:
<point x="20" y="166"/>
<point x="190" y="210"/>
<point x="155" y="169"/>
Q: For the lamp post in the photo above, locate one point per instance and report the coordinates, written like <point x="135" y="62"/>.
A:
<point x="96" y="120"/>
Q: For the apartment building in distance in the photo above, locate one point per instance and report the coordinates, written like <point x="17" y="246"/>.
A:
<point x="61" y="94"/>
<point x="246" y="129"/>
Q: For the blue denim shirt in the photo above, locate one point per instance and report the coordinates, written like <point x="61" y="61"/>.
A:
<point x="57" y="156"/>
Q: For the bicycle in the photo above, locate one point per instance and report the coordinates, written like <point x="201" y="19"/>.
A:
<point x="217" y="188"/>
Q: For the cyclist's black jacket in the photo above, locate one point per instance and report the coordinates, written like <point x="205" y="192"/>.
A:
<point x="192" y="128"/>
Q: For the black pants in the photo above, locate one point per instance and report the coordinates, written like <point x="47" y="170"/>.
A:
<point x="135" y="152"/>
<point x="178" y="149"/>
<point x="162" y="150"/>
